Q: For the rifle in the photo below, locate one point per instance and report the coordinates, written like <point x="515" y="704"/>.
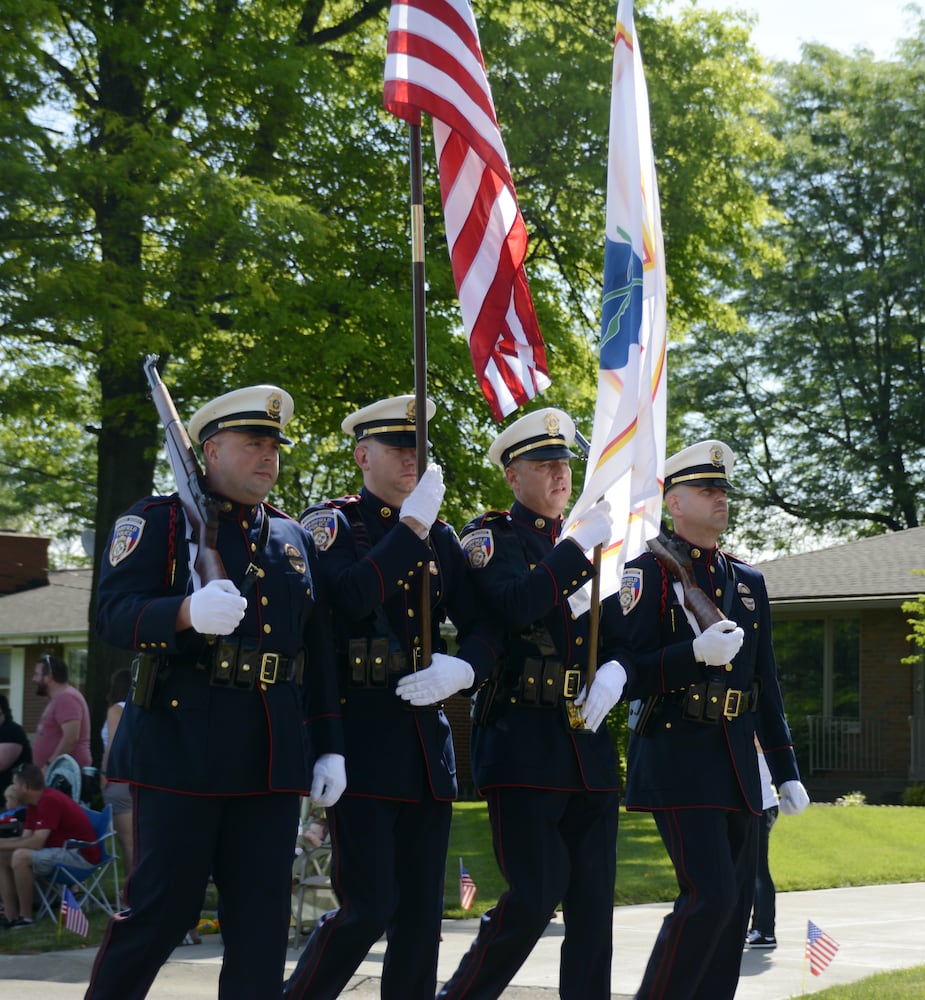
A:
<point x="676" y="560"/>
<point x="200" y="508"/>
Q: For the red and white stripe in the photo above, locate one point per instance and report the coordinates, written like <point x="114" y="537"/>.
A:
<point x="434" y="65"/>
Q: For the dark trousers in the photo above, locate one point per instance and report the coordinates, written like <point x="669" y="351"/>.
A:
<point x="388" y="865"/>
<point x="765" y="912"/>
<point x="699" y="948"/>
<point x="551" y="847"/>
<point x="246" y="843"/>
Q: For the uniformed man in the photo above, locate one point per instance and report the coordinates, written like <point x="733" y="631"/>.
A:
<point x="702" y="694"/>
<point x="552" y="788"/>
<point x="390" y="832"/>
<point x="242" y="718"/>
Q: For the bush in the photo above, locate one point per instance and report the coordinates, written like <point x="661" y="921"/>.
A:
<point x="852" y="799"/>
<point x="914" y="795"/>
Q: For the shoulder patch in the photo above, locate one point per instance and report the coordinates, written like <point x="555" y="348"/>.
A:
<point x="630" y="589"/>
<point x="322" y="526"/>
<point x="126" y="534"/>
<point x="479" y="547"/>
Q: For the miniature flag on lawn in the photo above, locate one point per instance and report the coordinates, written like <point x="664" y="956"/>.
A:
<point x="820" y="949"/>
<point x="73" y="915"/>
<point x="627" y="454"/>
<point x="467" y="889"/>
<point x="434" y="64"/>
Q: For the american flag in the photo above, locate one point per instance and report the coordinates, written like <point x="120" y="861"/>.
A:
<point x="73" y="915"/>
<point x="820" y="949"/>
<point x="627" y="453"/>
<point x="467" y="889"/>
<point x="434" y="64"/>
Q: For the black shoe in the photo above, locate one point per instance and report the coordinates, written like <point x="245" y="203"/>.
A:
<point x="756" y="939"/>
<point x="21" y="922"/>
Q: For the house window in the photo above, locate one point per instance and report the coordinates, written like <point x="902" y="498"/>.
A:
<point x="818" y="662"/>
<point x="5" y="671"/>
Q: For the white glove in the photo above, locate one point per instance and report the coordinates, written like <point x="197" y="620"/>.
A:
<point x="329" y="779"/>
<point x="445" y="676"/>
<point x="718" y="644"/>
<point x="217" y="608"/>
<point x="593" y="528"/>
<point x="423" y="502"/>
<point x="793" y="798"/>
<point x="605" y="692"/>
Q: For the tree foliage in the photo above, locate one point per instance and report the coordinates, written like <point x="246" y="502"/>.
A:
<point x="823" y="393"/>
<point x="218" y="184"/>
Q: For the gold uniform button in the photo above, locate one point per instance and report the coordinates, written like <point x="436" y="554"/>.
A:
<point x="253" y="546"/>
<point x="540" y="522"/>
<point x="400" y="583"/>
<point x="719" y="591"/>
<point x="267" y="629"/>
<point x="548" y="682"/>
<point x="754" y="624"/>
<point x="163" y="645"/>
<point x="174" y="703"/>
<point x="668" y="725"/>
<point x="261" y="573"/>
<point x="245" y="525"/>
<point x="695" y="553"/>
<point x="245" y="667"/>
<point x="410" y="612"/>
<point x="728" y="668"/>
<point x="264" y="601"/>
<point x="712" y="569"/>
<point x="385" y="511"/>
<point x="143" y="645"/>
<point x="579" y="640"/>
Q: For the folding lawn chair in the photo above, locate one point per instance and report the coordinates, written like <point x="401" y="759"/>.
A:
<point x="88" y="885"/>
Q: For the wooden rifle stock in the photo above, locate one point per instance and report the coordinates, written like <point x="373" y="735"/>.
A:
<point x="197" y="504"/>
<point x="675" y="559"/>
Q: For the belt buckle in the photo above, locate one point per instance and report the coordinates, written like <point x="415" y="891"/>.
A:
<point x="732" y="704"/>
<point x="570" y="683"/>
<point x="269" y="668"/>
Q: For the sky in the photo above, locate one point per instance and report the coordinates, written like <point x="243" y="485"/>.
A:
<point x="783" y="25"/>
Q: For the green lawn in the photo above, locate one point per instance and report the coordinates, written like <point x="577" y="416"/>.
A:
<point x="827" y="847"/>
<point x="905" y="984"/>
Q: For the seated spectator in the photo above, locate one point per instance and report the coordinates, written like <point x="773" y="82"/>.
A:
<point x="52" y="818"/>
<point x="119" y="794"/>
<point x="14" y="744"/>
<point x="14" y="813"/>
<point x="65" y="723"/>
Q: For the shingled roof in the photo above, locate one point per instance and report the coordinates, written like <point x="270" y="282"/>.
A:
<point x="872" y="571"/>
<point x="58" y="608"/>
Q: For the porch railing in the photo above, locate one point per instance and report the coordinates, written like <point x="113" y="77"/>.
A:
<point x="837" y="744"/>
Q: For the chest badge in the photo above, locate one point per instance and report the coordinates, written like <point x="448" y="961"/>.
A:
<point x="479" y="547"/>
<point x="126" y="534"/>
<point x="296" y="559"/>
<point x="322" y="526"/>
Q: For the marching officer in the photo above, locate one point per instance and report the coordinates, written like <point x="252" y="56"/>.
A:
<point x="233" y="713"/>
<point x="390" y="832"/>
<point x="700" y="697"/>
<point x="540" y="752"/>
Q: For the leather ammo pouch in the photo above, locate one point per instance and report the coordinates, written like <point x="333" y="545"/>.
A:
<point x="145" y="669"/>
<point x="541" y="681"/>
<point x="703" y="702"/>
<point x="368" y="661"/>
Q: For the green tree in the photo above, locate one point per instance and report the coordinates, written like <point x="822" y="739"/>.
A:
<point x="218" y="184"/>
<point x="823" y="394"/>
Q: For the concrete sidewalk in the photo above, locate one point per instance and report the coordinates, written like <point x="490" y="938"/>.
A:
<point x="878" y="928"/>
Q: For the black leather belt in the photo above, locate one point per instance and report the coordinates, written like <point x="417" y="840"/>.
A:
<point x="241" y="665"/>
<point x="370" y="661"/>
<point x="712" y="701"/>
<point x="544" y="681"/>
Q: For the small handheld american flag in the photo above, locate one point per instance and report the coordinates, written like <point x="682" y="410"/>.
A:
<point x="820" y="949"/>
<point x="73" y="915"/>
<point x="467" y="888"/>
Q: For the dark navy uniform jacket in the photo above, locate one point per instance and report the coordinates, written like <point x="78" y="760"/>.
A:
<point x="525" y="578"/>
<point x="372" y="567"/>
<point x="199" y="737"/>
<point x="679" y="762"/>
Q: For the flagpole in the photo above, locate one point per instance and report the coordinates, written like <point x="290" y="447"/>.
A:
<point x="415" y="158"/>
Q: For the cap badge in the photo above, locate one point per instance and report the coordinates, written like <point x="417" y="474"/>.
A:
<point x="411" y="412"/>
<point x="552" y="423"/>
<point x="716" y="455"/>
<point x="274" y="406"/>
